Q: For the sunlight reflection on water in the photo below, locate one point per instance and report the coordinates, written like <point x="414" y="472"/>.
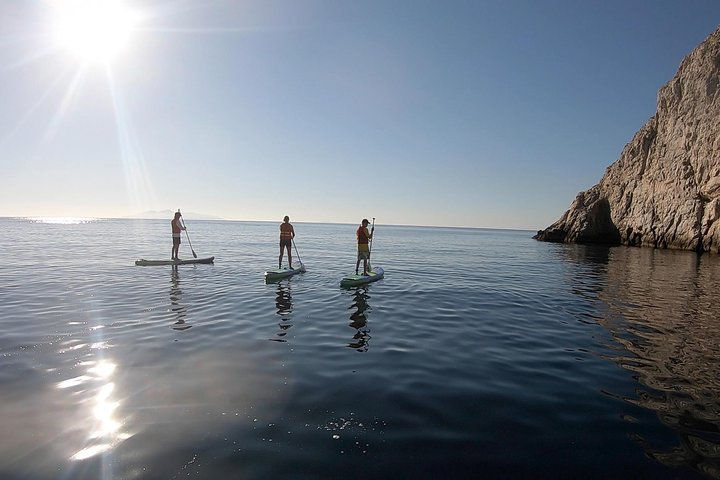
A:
<point x="63" y="220"/>
<point x="95" y="395"/>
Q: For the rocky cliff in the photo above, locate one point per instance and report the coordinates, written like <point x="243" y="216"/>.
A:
<point x="664" y="190"/>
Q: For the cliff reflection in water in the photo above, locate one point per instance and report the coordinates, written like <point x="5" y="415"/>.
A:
<point x="662" y="308"/>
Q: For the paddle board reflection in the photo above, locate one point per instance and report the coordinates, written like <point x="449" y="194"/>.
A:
<point x="284" y="307"/>
<point x="358" y="320"/>
<point x="176" y="307"/>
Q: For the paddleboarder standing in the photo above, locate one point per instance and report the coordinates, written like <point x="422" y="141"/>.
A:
<point x="177" y="228"/>
<point x="287" y="233"/>
<point x="363" y="240"/>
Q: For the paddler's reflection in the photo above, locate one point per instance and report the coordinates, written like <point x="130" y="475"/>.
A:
<point x="283" y="298"/>
<point x="179" y="310"/>
<point x="284" y="306"/>
<point x="358" y="320"/>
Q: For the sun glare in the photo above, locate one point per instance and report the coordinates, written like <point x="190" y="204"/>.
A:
<point x="94" y="30"/>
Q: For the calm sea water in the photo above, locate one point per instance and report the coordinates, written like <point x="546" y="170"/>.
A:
<point x="482" y="354"/>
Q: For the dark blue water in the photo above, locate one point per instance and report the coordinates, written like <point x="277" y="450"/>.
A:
<point x="482" y="354"/>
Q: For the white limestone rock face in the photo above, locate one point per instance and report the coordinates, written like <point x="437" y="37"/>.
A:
<point x="664" y="190"/>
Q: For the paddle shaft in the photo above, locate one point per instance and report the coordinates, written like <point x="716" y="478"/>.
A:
<point x="296" y="251"/>
<point x="372" y="234"/>
<point x="188" y="238"/>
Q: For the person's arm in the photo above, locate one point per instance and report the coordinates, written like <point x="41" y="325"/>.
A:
<point x="292" y="230"/>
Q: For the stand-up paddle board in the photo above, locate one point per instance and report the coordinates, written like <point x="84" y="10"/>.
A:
<point x="284" y="272"/>
<point x="352" y="280"/>
<point x="147" y="263"/>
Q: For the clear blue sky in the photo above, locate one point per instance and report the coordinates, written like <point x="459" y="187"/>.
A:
<point x="482" y="113"/>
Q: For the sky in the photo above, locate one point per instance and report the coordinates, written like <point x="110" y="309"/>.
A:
<point x="479" y="113"/>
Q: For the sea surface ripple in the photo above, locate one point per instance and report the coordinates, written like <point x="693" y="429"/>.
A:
<point x="481" y="354"/>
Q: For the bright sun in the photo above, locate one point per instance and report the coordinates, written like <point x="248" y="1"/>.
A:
<point x="94" y="30"/>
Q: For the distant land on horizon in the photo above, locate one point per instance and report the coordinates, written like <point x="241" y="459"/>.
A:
<point x="167" y="214"/>
<point x="163" y="214"/>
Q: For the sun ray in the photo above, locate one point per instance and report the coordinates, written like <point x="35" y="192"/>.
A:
<point x="59" y="79"/>
<point x="67" y="99"/>
<point x="136" y="175"/>
<point x="202" y="29"/>
<point x="32" y="58"/>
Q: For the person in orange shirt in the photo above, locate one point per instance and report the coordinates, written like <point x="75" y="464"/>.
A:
<point x="287" y="233"/>
<point x="363" y="239"/>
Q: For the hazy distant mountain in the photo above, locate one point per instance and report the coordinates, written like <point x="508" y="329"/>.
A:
<point x="168" y="214"/>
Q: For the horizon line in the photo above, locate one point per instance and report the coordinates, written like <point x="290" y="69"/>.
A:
<point x="219" y="219"/>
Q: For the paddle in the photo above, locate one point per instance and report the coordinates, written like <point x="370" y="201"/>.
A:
<point x="372" y="230"/>
<point x="188" y="237"/>
<point x="302" y="267"/>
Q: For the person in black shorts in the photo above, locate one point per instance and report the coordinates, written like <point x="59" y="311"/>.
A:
<point x="177" y="227"/>
<point x="287" y="233"/>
